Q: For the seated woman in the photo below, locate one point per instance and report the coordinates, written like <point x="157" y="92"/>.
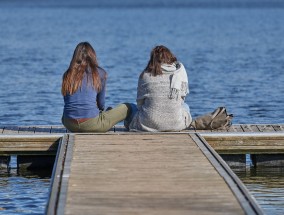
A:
<point x="83" y="89"/>
<point x="162" y="88"/>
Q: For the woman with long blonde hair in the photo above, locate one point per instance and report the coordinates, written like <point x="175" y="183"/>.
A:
<point x="83" y="89"/>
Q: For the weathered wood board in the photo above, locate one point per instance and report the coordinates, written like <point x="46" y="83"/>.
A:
<point x="140" y="174"/>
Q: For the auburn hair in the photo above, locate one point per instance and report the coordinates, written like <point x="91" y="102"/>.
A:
<point x="159" y="55"/>
<point x="84" y="59"/>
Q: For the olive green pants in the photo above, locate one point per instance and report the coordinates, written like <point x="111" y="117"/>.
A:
<point x="102" y="123"/>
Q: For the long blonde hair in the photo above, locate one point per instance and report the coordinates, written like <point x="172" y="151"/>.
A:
<point x="84" y="58"/>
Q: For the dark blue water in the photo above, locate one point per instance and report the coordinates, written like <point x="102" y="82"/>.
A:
<point x="233" y="52"/>
<point x="22" y="195"/>
<point x="233" y="55"/>
<point x="23" y="192"/>
<point x="266" y="184"/>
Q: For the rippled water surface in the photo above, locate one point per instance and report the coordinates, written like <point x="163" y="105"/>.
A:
<point x="234" y="57"/>
<point x="23" y="192"/>
<point x="267" y="187"/>
<point x="21" y="195"/>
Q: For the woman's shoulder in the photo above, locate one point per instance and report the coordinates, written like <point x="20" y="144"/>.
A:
<point x="143" y="74"/>
<point x="148" y="77"/>
<point x="102" y="72"/>
<point x="145" y="77"/>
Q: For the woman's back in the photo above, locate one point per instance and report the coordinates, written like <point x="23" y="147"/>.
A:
<point x="86" y="102"/>
<point x="158" y="112"/>
<point x="83" y="89"/>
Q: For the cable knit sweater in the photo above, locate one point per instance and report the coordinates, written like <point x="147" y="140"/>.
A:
<point x="156" y="110"/>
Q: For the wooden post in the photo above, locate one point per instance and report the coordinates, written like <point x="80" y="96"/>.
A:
<point x="271" y="160"/>
<point x="4" y="162"/>
<point x="35" y="162"/>
<point x="234" y="160"/>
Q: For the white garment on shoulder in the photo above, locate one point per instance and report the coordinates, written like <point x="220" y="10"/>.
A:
<point x="179" y="81"/>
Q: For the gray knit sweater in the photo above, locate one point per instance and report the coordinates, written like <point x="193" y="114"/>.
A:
<point x="156" y="111"/>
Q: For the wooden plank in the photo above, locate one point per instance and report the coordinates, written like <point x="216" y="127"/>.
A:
<point x="250" y="128"/>
<point x="27" y="130"/>
<point x="278" y="128"/>
<point x="42" y="129"/>
<point x="25" y="144"/>
<point x="235" y="128"/>
<point x="246" y="200"/>
<point x="28" y="146"/>
<point x="143" y="174"/>
<point x="10" y="130"/>
<point x="57" y="177"/>
<point x="249" y="150"/>
<point x="65" y="176"/>
<point x="58" y="129"/>
<point x="265" y="128"/>
<point x="241" y="144"/>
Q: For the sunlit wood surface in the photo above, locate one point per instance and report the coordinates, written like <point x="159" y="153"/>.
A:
<point x="144" y="174"/>
<point x="44" y="139"/>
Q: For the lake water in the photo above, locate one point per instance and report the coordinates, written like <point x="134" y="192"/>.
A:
<point x="233" y="56"/>
<point x="266" y="184"/>
<point x="23" y="192"/>
<point x="233" y="52"/>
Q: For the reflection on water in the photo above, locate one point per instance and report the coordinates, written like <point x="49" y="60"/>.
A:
<point x="23" y="192"/>
<point x="266" y="184"/>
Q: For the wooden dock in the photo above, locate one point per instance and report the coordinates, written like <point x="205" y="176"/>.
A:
<point x="238" y="128"/>
<point x="238" y="139"/>
<point x="144" y="174"/>
<point x="124" y="172"/>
